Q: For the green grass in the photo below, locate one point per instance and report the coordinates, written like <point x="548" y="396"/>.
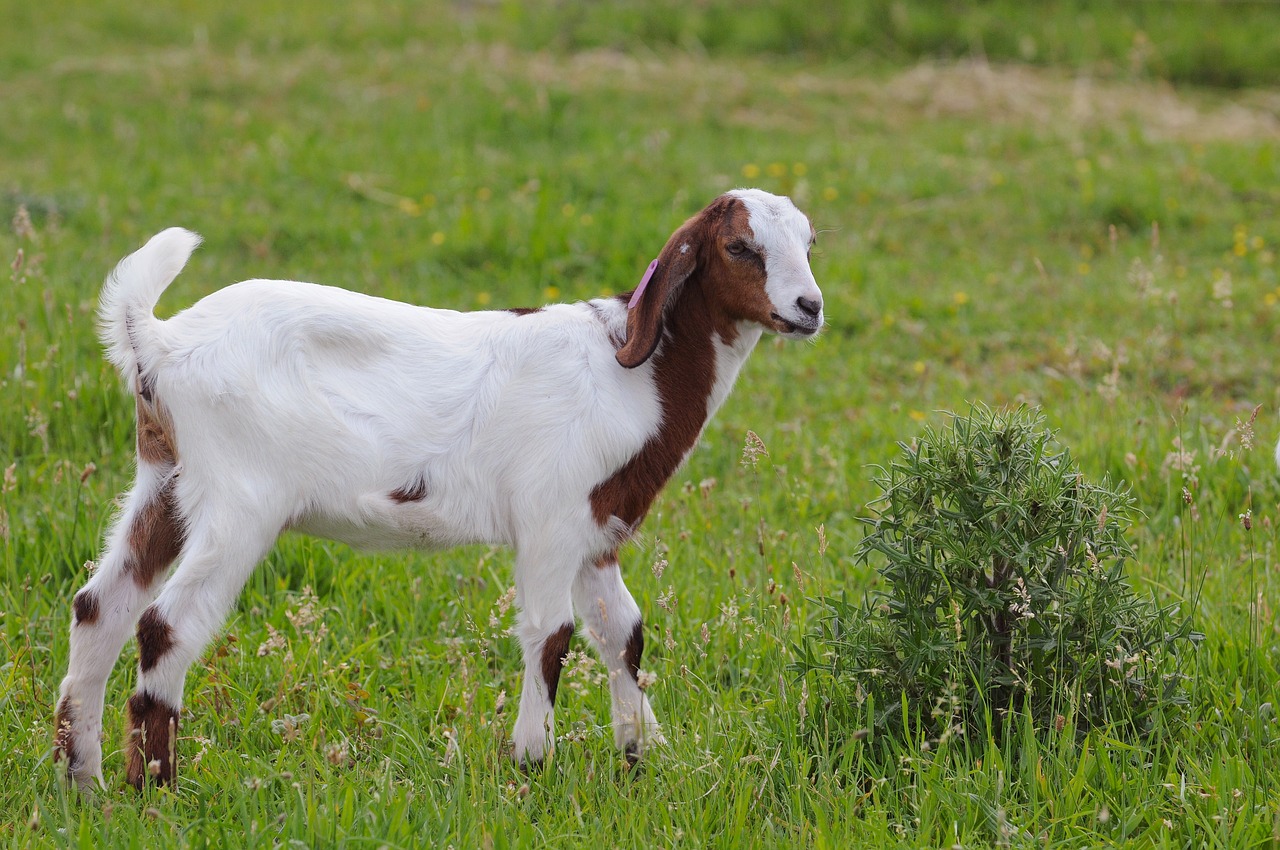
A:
<point x="987" y="235"/>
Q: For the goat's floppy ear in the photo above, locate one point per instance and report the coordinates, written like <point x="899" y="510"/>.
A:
<point x="644" y="319"/>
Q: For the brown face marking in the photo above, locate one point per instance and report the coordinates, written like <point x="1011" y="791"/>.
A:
<point x="634" y="650"/>
<point x="85" y="608"/>
<point x="156" y="537"/>
<point x="415" y="491"/>
<point x="736" y="284"/>
<point x="153" y="727"/>
<point x="554" y="649"/>
<point x="685" y="251"/>
<point x="155" y="639"/>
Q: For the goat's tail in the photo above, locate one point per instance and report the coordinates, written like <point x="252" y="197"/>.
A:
<point x="127" y="324"/>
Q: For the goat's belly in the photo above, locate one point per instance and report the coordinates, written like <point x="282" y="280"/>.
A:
<point x="381" y="525"/>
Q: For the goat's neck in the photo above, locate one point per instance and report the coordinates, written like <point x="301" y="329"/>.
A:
<point x="693" y="371"/>
<point x="698" y="362"/>
<point x="731" y="355"/>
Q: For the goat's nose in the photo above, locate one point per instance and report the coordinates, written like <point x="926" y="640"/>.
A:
<point x="809" y="307"/>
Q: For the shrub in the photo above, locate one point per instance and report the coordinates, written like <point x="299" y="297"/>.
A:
<point x="1002" y="592"/>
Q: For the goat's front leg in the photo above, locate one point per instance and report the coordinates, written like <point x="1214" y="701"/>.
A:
<point x="611" y="620"/>
<point x="545" y="627"/>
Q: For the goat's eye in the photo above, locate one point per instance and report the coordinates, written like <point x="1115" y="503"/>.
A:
<point x="736" y="249"/>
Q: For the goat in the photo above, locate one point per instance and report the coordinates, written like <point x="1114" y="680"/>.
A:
<point x="274" y="406"/>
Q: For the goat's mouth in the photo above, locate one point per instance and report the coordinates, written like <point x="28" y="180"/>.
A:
<point x="793" y="329"/>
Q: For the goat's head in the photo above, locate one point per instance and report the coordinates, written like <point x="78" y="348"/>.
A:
<point x="749" y="252"/>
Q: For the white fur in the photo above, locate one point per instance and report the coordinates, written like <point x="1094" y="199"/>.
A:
<point x="305" y="407"/>
<point x="325" y="401"/>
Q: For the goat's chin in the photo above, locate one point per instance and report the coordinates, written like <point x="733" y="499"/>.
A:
<point x="791" y="330"/>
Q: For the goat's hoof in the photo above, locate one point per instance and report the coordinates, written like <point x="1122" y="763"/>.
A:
<point x="140" y="774"/>
<point x="73" y="770"/>
<point x="530" y="764"/>
<point x="84" y="783"/>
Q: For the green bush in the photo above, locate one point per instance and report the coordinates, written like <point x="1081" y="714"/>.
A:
<point x="1002" y="593"/>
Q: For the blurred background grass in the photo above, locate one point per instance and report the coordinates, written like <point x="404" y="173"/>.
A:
<point x="1219" y="43"/>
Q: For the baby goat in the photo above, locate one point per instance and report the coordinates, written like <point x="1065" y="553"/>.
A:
<point x="272" y="406"/>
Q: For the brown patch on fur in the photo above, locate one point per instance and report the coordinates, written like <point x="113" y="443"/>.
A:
<point x="153" y="727"/>
<point x="736" y="286"/>
<point x="634" y="650"/>
<point x="85" y="608"/>
<point x="696" y="295"/>
<point x="524" y="311"/>
<point x="608" y="559"/>
<point x="157" y="533"/>
<point x="554" y="649"/>
<point x="155" y="435"/>
<point x="64" y="744"/>
<point x="414" y="492"/>
<point x="155" y="638"/>
<point x="156" y="536"/>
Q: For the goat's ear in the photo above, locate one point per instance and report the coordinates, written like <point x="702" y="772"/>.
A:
<point x="644" y="321"/>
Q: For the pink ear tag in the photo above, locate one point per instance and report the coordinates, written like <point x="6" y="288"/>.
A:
<point x="644" y="281"/>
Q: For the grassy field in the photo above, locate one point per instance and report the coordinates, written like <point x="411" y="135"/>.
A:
<point x="1077" y="209"/>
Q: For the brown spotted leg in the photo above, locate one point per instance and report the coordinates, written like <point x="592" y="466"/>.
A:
<point x="146" y="538"/>
<point x="611" y="620"/>
<point x="545" y="627"/>
<point x="174" y="630"/>
<point x="544" y="654"/>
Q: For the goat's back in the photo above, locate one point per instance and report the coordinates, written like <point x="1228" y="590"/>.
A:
<point x="322" y="396"/>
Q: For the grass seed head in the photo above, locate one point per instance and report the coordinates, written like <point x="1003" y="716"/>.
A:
<point x="753" y="450"/>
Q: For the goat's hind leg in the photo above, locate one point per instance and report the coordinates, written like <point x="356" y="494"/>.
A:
<point x="174" y="630"/>
<point x="145" y="539"/>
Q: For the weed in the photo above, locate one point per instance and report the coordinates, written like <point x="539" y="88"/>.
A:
<point x="1002" y="593"/>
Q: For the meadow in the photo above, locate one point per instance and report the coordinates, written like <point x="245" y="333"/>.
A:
<point x="1076" y="208"/>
